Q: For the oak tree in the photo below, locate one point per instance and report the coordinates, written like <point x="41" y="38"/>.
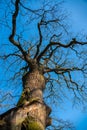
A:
<point x="41" y="55"/>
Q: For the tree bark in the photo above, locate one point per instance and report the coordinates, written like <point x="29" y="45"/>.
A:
<point x="31" y="112"/>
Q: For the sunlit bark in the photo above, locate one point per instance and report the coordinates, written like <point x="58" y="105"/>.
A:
<point x="31" y="112"/>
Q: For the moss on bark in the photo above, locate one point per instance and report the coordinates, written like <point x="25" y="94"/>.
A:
<point x="32" y="124"/>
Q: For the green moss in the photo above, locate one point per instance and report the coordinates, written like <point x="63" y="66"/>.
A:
<point x="21" y="100"/>
<point x="36" y="99"/>
<point x="32" y="124"/>
<point x="2" y="122"/>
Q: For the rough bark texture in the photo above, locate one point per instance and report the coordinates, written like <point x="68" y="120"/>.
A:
<point x="31" y="112"/>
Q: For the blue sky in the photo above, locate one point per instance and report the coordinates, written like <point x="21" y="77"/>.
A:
<point x="77" y="14"/>
<point x="77" y="10"/>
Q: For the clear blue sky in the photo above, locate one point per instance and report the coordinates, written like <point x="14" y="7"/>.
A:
<point x="77" y="14"/>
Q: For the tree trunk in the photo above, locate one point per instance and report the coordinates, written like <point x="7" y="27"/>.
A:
<point x="31" y="112"/>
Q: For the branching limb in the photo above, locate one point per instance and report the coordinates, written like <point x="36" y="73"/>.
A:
<point x="4" y="57"/>
<point x="15" y="43"/>
<point x="11" y="38"/>
<point x="36" y="12"/>
<point x="53" y="43"/>
<point x="14" y="17"/>
<point x="40" y="40"/>
<point x="59" y="70"/>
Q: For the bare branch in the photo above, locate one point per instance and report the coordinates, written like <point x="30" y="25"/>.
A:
<point x="11" y="38"/>
<point x="11" y="55"/>
<point x="72" y="43"/>
<point x="60" y="70"/>
<point x="14" y="17"/>
<point x="36" y="12"/>
<point x="49" y="21"/>
<point x="40" y="40"/>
